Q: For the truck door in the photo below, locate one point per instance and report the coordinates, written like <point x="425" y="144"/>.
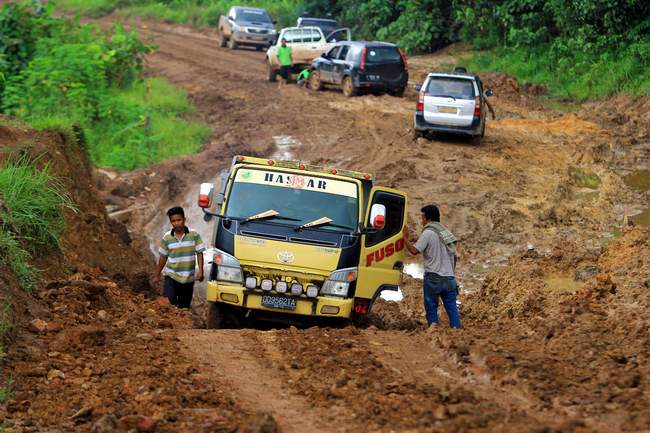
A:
<point x="383" y="250"/>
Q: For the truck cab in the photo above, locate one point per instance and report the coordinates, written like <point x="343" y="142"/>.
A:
<point x="294" y="241"/>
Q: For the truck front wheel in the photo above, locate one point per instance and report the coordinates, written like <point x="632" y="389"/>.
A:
<point x="215" y="315"/>
<point x="271" y="74"/>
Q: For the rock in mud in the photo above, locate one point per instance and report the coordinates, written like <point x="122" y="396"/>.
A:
<point x="586" y="272"/>
<point x="38" y="325"/>
<point x="105" y="424"/>
<point x="263" y="423"/>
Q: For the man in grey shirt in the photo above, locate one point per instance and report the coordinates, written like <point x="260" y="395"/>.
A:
<point x="438" y="247"/>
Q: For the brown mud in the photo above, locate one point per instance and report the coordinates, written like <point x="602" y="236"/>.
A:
<point x="556" y="281"/>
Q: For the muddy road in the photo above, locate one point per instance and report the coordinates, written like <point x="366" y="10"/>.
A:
<point x="553" y="339"/>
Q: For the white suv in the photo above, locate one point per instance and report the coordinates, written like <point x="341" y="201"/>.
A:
<point x="453" y="103"/>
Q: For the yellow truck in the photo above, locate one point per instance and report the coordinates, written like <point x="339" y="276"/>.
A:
<point x="294" y="241"/>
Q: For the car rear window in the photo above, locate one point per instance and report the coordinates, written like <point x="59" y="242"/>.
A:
<point x="459" y="88"/>
<point x="382" y="55"/>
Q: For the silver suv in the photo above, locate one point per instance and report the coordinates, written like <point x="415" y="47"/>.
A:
<point x="451" y="102"/>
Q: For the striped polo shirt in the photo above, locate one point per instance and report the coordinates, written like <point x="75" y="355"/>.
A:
<point x="181" y="255"/>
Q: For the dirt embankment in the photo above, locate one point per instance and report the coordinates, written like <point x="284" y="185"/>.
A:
<point x="86" y="350"/>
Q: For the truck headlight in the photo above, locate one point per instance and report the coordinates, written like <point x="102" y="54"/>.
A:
<point x="338" y="283"/>
<point x="228" y="267"/>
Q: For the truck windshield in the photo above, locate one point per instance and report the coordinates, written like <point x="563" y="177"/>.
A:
<point x="251" y="15"/>
<point x="299" y="199"/>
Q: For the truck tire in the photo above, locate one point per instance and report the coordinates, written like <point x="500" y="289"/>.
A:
<point x="215" y="315"/>
<point x="315" y="82"/>
<point x="348" y="87"/>
<point x="222" y="40"/>
<point x="232" y="44"/>
<point x="271" y="74"/>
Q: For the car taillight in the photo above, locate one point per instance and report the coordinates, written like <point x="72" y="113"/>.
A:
<point x="477" y="106"/>
<point x="362" y="66"/>
<point x="404" y="59"/>
<point x="420" y="106"/>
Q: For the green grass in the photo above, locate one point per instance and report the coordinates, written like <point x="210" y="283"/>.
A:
<point x="584" y="179"/>
<point x="33" y="201"/>
<point x="31" y="215"/>
<point x="5" y="327"/>
<point x="145" y="125"/>
<point x="201" y="13"/>
<point x="13" y="255"/>
<point x="586" y="76"/>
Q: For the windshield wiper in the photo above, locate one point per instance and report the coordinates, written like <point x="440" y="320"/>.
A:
<point x="267" y="214"/>
<point x="321" y="222"/>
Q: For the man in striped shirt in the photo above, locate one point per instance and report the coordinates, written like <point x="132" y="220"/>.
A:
<point x="178" y="250"/>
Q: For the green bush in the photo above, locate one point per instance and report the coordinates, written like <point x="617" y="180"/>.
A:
<point x="78" y="77"/>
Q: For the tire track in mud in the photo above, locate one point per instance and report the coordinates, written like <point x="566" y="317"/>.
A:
<point x="252" y="368"/>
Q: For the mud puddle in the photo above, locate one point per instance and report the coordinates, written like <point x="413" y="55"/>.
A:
<point x="286" y="145"/>
<point x="564" y="283"/>
<point x="639" y="180"/>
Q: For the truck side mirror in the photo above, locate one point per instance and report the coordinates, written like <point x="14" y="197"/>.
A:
<point x="205" y="195"/>
<point x="489" y="92"/>
<point x="418" y="87"/>
<point x="378" y="216"/>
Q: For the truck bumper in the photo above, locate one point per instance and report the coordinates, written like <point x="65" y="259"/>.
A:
<point x="235" y="294"/>
<point x="254" y="39"/>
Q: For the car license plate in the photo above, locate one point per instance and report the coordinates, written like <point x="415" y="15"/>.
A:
<point x="280" y="302"/>
<point x="373" y="77"/>
<point x="449" y="110"/>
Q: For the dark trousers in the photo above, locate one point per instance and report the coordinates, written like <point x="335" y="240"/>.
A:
<point x="179" y="294"/>
<point x="436" y="286"/>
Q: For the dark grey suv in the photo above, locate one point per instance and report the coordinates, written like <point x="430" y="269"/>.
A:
<point x="361" y="67"/>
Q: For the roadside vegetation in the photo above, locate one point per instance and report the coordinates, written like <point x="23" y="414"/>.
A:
<point x="579" y="50"/>
<point x="58" y="74"/>
<point x="32" y="202"/>
<point x="200" y="13"/>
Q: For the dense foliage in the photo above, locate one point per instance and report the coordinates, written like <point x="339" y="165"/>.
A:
<point x="582" y="48"/>
<point x="57" y="73"/>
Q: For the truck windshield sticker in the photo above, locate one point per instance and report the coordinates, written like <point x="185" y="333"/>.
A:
<point x="289" y="180"/>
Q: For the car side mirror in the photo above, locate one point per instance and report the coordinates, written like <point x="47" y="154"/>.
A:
<point x="489" y="92"/>
<point x="274" y="22"/>
<point x="231" y="18"/>
<point x="418" y="87"/>
<point x="205" y="195"/>
<point x="324" y="55"/>
<point x="378" y="216"/>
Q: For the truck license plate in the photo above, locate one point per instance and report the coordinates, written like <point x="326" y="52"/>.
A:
<point x="279" y="302"/>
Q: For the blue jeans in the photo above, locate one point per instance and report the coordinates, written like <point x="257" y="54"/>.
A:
<point x="445" y="288"/>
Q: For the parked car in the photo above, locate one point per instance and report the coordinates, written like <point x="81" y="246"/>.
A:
<point x="451" y="102"/>
<point x="327" y="25"/>
<point x="361" y="66"/>
<point x="307" y="43"/>
<point x="246" y="26"/>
